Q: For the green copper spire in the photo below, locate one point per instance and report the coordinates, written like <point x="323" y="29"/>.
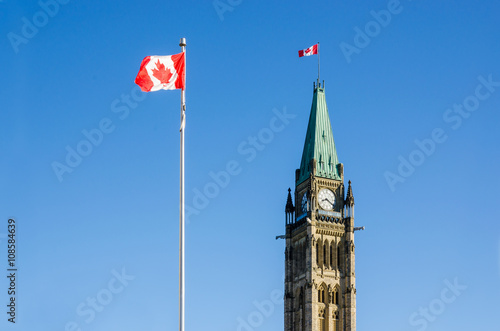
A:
<point x="319" y="144"/>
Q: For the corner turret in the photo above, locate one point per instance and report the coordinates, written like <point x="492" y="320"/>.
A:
<point x="289" y="209"/>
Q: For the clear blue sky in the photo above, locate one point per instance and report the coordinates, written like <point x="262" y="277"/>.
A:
<point x="427" y="225"/>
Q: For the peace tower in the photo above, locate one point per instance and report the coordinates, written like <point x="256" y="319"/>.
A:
<point x="320" y="282"/>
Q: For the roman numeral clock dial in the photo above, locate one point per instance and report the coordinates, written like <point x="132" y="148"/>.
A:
<point x="326" y="199"/>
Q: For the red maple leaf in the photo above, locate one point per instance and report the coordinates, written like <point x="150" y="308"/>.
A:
<point x="161" y="73"/>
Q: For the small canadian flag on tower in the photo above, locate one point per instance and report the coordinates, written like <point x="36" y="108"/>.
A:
<point x="309" y="51"/>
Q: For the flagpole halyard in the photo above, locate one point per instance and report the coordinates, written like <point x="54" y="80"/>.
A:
<point x="182" y="288"/>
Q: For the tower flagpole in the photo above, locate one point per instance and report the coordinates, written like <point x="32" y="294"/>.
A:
<point x="318" y="63"/>
<point x="181" y="205"/>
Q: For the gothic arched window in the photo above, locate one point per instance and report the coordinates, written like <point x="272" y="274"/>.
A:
<point x="321" y="295"/>
<point x="336" y="296"/>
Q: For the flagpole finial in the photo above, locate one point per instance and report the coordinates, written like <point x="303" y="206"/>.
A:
<point x="182" y="42"/>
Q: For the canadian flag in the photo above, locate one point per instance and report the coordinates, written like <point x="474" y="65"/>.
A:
<point x="162" y="73"/>
<point x="309" y="51"/>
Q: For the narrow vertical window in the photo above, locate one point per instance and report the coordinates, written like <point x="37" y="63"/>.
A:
<point x="336" y="322"/>
<point x="338" y="257"/>
<point x="324" y="255"/>
<point x="317" y="253"/>
<point x="321" y="295"/>
<point x="322" y="321"/>
<point x="331" y="256"/>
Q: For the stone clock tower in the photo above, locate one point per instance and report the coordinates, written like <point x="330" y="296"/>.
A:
<point x="320" y="283"/>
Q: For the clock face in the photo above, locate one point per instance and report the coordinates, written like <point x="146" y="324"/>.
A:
<point x="326" y="199"/>
<point x="304" y="203"/>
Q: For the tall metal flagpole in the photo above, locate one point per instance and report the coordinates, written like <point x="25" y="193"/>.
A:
<point x="181" y="204"/>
